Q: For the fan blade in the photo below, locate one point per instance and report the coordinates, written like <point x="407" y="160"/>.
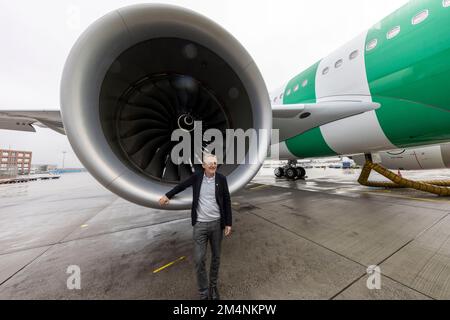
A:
<point x="143" y="156"/>
<point x="156" y="166"/>
<point x="184" y="171"/>
<point x="135" y="142"/>
<point x="135" y="112"/>
<point x="130" y="128"/>
<point x="171" y="171"/>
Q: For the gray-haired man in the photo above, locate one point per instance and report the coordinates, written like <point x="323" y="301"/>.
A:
<point x="211" y="214"/>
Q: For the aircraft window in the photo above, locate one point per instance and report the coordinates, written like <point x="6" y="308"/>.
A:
<point x="372" y="44"/>
<point x="421" y="16"/>
<point x="338" y="63"/>
<point x="281" y="96"/>
<point x="353" y="55"/>
<point x="393" y="32"/>
<point x="304" y="83"/>
<point x="296" y="88"/>
<point x="325" y="70"/>
<point x="289" y="92"/>
<point x="275" y="99"/>
<point x="446" y="3"/>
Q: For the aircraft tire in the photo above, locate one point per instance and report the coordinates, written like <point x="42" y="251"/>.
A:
<point x="290" y="173"/>
<point x="301" y="172"/>
<point x="279" y="172"/>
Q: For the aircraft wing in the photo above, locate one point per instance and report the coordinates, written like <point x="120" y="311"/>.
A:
<point x="25" y="120"/>
<point x="294" y="119"/>
<point x="291" y="119"/>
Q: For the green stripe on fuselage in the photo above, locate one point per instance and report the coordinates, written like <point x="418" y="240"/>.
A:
<point x="306" y="94"/>
<point x="409" y="124"/>
<point x="310" y="143"/>
<point x="409" y="74"/>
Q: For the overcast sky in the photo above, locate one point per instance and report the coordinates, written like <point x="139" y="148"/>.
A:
<point x="283" y="37"/>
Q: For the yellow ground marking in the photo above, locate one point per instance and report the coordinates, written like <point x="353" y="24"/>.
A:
<point x="84" y="225"/>
<point x="259" y="187"/>
<point x="169" y="264"/>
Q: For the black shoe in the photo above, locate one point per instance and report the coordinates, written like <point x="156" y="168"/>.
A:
<point x="214" y="293"/>
<point x="203" y="294"/>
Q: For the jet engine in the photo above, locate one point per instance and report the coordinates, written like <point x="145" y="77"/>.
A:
<point x="141" y="72"/>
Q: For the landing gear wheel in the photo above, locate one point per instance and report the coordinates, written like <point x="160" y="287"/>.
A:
<point x="290" y="173"/>
<point x="301" y="172"/>
<point x="279" y="172"/>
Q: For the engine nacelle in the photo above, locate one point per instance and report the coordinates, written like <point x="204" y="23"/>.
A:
<point x="429" y="157"/>
<point x="142" y="71"/>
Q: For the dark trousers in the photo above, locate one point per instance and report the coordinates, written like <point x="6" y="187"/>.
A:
<point x="204" y="232"/>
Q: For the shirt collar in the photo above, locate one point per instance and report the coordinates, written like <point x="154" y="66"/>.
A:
<point x="213" y="177"/>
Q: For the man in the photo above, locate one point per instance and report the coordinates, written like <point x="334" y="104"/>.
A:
<point x="211" y="214"/>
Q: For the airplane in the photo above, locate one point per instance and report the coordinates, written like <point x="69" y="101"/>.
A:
<point x="142" y="71"/>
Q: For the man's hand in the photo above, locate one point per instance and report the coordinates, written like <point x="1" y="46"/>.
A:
<point x="163" y="201"/>
<point x="227" y="231"/>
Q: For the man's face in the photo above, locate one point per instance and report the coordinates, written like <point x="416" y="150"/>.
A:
<point x="210" y="165"/>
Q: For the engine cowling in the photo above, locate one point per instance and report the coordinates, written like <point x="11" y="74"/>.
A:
<point x="142" y="71"/>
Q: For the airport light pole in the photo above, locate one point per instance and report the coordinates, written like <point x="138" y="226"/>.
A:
<point x="64" y="155"/>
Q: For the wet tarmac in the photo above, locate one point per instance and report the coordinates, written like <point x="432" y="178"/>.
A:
<point x="304" y="239"/>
